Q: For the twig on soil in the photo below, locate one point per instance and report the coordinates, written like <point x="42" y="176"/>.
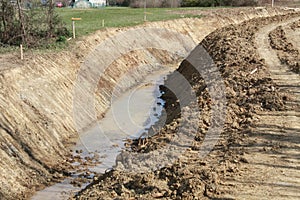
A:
<point x="255" y="70"/>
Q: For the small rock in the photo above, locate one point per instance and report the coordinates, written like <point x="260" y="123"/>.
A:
<point x="244" y="160"/>
<point x="157" y="195"/>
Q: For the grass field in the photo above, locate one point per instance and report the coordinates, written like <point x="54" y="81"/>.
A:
<point x="116" y="17"/>
<point x="91" y="21"/>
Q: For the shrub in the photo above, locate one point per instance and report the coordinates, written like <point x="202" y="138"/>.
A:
<point x="209" y="3"/>
<point x="155" y="3"/>
<point x="32" y="27"/>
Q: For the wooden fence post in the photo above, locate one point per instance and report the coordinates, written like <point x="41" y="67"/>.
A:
<point x="21" y="51"/>
<point x="73" y="25"/>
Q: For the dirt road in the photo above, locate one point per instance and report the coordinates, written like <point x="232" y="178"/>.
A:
<point x="274" y="161"/>
<point x="257" y="156"/>
<point x="36" y="109"/>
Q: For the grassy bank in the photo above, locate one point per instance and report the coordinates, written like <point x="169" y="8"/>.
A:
<point x="91" y="21"/>
<point x="116" y="17"/>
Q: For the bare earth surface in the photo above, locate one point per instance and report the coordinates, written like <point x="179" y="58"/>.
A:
<point x="257" y="156"/>
<point x="273" y="171"/>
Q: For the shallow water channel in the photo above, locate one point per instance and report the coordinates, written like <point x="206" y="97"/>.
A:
<point x="129" y="116"/>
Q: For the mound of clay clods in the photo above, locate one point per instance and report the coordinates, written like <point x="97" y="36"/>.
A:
<point x="248" y="90"/>
<point x="286" y="52"/>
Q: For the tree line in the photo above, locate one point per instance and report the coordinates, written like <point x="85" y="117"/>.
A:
<point x="183" y="3"/>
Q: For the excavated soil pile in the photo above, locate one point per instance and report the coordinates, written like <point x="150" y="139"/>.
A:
<point x="37" y="98"/>
<point x="286" y="52"/>
<point x="248" y="90"/>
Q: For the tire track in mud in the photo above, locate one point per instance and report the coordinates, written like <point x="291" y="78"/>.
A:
<point x="274" y="161"/>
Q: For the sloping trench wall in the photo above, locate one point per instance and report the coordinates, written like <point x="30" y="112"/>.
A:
<point x="36" y="98"/>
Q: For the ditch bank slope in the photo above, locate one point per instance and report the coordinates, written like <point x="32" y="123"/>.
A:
<point x="251" y="150"/>
<point x="36" y="98"/>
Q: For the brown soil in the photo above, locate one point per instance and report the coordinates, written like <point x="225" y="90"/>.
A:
<point x="36" y="124"/>
<point x="286" y="51"/>
<point x="273" y="169"/>
<point x="257" y="154"/>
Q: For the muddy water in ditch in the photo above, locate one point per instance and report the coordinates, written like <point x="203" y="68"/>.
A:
<point x="129" y="116"/>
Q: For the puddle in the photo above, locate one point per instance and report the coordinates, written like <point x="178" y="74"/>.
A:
<point x="130" y="115"/>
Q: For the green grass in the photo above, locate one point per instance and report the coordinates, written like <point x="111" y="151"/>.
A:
<point x="113" y="17"/>
<point x="116" y="17"/>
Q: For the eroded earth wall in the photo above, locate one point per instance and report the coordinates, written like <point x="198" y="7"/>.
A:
<point x="36" y="97"/>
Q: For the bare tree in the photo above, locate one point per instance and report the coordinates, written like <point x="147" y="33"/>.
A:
<point x="50" y="18"/>
<point x="31" y="27"/>
<point x="22" y="22"/>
